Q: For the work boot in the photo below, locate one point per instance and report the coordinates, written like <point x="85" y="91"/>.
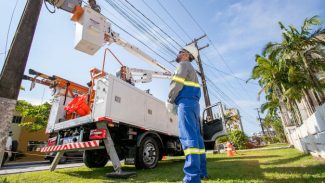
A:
<point x="205" y="178"/>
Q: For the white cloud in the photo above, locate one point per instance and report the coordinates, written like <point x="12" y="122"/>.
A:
<point x="254" y="22"/>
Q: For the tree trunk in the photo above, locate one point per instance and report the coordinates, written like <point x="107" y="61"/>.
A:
<point x="307" y="106"/>
<point x="284" y="110"/>
<point x="312" y="77"/>
<point x="283" y="120"/>
<point x="297" y="111"/>
<point x="309" y="101"/>
<point x="294" y="114"/>
<point x="318" y="97"/>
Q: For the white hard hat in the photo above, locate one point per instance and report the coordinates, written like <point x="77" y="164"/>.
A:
<point x="192" y="50"/>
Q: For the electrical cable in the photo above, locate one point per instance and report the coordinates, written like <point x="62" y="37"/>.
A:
<point x="139" y="26"/>
<point x="10" y="22"/>
<point x="162" y="20"/>
<point x="215" y="90"/>
<point x="191" y="15"/>
<point x="141" y="42"/>
<point x="134" y="37"/>
<point x="228" y="74"/>
<point x="54" y="8"/>
<point x="215" y="86"/>
<point x="154" y="24"/>
<point x="155" y="33"/>
<point x="173" y="19"/>
<point x="213" y="45"/>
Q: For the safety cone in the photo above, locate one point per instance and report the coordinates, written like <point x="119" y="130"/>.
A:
<point x="230" y="150"/>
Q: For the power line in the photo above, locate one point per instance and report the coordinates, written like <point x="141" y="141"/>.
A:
<point x="12" y="15"/>
<point x="213" y="67"/>
<point x="215" y="87"/>
<point x="141" y="42"/>
<point x="138" y="25"/>
<point x="231" y="89"/>
<point x="216" y="92"/>
<point x="162" y="20"/>
<point x="227" y="96"/>
<point x="119" y="26"/>
<point x="153" y="23"/>
<point x="134" y="37"/>
<point x="213" y="45"/>
<point x="223" y="60"/>
<point x="191" y="16"/>
<point x="154" y="31"/>
<point x="141" y="25"/>
<point x="173" y="19"/>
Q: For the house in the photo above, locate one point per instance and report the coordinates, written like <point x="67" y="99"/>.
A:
<point x="25" y="141"/>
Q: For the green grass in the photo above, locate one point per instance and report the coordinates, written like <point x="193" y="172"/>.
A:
<point x="276" y="145"/>
<point x="279" y="165"/>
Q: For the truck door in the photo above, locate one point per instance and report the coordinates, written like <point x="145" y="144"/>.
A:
<point x="214" y="127"/>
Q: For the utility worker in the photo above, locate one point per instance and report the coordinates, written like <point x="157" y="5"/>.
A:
<point x="183" y="98"/>
<point x="94" y="5"/>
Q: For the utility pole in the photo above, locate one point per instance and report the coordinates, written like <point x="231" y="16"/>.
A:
<point x="14" y="67"/>
<point x="260" y="119"/>
<point x="204" y="83"/>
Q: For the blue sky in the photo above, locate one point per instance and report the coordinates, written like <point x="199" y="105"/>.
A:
<point x="238" y="29"/>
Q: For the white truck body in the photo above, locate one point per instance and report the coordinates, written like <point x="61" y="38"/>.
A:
<point x="118" y="100"/>
<point x="122" y="103"/>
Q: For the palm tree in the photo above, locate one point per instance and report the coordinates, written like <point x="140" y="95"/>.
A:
<point x="300" y="52"/>
<point x="289" y="71"/>
<point x="272" y="79"/>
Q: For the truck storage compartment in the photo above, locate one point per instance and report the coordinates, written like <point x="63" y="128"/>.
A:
<point x="117" y="100"/>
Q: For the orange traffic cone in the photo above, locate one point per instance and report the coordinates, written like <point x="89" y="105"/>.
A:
<point x="230" y="150"/>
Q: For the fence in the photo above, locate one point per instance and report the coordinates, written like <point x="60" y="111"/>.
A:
<point x="310" y="136"/>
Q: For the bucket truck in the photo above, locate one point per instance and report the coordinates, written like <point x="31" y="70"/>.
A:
<point x="111" y="119"/>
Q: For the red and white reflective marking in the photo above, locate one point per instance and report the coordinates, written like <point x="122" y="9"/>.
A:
<point x="77" y="145"/>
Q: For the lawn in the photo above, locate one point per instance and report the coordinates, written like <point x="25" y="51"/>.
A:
<point x="278" y="165"/>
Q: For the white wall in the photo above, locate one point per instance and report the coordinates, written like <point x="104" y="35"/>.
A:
<point x="310" y="136"/>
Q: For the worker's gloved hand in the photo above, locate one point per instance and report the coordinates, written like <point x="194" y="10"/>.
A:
<point x="172" y="108"/>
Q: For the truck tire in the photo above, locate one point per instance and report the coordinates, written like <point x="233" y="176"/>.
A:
<point x="147" y="154"/>
<point x="95" y="158"/>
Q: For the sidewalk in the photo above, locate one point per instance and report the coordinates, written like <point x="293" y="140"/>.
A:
<point x="14" y="168"/>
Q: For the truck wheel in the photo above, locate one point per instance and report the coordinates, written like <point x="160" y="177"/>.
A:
<point x="95" y="158"/>
<point x="147" y="154"/>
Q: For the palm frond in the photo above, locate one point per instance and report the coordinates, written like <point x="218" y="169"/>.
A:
<point x="308" y="22"/>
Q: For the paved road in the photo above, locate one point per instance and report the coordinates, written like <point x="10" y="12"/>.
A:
<point x="14" y="168"/>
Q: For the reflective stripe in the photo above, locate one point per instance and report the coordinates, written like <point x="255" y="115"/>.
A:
<point x="191" y="83"/>
<point x="186" y="83"/>
<point x="194" y="151"/>
<point x="178" y="79"/>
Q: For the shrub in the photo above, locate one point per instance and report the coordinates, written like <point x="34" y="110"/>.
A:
<point x="238" y="138"/>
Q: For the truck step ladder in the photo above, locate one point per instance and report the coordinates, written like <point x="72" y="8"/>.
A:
<point x="109" y="146"/>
